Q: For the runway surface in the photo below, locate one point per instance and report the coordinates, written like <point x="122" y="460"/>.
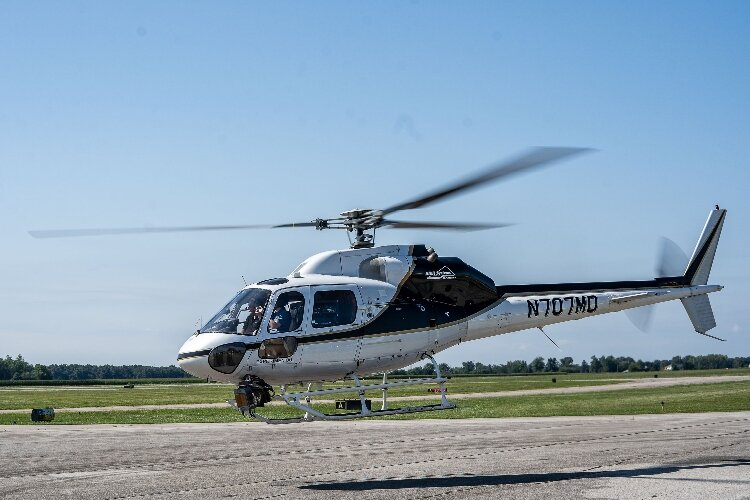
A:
<point x="652" y="456"/>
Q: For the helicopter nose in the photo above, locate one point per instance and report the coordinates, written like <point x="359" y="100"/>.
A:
<point x="209" y="357"/>
<point x="193" y="358"/>
<point x="195" y="363"/>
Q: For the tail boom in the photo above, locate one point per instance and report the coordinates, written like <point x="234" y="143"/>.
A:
<point x="534" y="311"/>
<point x="536" y="305"/>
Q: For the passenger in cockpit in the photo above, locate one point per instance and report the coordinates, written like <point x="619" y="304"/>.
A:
<point x="281" y="320"/>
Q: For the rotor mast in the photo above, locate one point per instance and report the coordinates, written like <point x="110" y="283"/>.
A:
<point x="360" y="221"/>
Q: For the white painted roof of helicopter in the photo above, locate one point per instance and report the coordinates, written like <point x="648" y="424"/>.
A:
<point x="341" y="267"/>
<point x="319" y="279"/>
<point x="346" y="262"/>
<point x="372" y="289"/>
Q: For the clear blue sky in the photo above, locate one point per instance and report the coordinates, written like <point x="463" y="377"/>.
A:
<point x="172" y="113"/>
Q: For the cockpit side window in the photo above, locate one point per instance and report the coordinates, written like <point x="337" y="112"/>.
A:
<point x="334" y="308"/>
<point x="288" y="312"/>
<point x="242" y="314"/>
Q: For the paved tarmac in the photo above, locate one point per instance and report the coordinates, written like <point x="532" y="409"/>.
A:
<point x="702" y="456"/>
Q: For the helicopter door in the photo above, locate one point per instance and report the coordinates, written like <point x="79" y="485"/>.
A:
<point x="327" y="348"/>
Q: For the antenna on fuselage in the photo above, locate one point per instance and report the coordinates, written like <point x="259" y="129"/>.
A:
<point x="548" y="337"/>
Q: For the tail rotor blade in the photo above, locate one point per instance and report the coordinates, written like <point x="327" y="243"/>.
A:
<point x="672" y="260"/>
<point x="642" y="317"/>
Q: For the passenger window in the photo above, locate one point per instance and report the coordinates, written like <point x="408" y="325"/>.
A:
<point x="333" y="308"/>
<point x="278" y="347"/>
<point x="287" y="313"/>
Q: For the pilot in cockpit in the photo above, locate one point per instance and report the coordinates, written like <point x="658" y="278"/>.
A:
<point x="252" y="322"/>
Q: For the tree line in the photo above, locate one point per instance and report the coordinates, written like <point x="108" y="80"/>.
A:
<point x="594" y="365"/>
<point x="19" y="369"/>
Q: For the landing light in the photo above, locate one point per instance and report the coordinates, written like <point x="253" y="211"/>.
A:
<point x="226" y="358"/>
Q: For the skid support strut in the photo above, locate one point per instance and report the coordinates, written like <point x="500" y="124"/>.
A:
<point x="302" y="400"/>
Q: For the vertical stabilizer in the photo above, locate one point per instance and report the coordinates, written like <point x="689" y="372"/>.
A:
<point x="703" y="257"/>
<point x="698" y="307"/>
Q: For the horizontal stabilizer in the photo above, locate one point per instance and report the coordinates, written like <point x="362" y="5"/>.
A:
<point x="700" y="312"/>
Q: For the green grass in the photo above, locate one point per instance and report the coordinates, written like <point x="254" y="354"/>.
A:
<point x="79" y="397"/>
<point x="724" y="396"/>
<point x="130" y="417"/>
<point x="664" y="374"/>
<point x="107" y="381"/>
<point x="466" y="385"/>
<point x="13" y="398"/>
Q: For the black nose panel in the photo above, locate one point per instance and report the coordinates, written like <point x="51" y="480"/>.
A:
<point x="226" y="358"/>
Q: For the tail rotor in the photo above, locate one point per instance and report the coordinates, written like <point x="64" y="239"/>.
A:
<point x="671" y="261"/>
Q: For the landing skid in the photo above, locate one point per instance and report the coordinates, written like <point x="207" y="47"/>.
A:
<point x="302" y="400"/>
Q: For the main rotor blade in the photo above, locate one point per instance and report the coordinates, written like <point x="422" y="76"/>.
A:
<point x="455" y="226"/>
<point x="297" y="224"/>
<point x="66" y="233"/>
<point x="535" y="158"/>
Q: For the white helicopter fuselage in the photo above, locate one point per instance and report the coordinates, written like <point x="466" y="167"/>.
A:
<point x="369" y="310"/>
<point x="374" y="310"/>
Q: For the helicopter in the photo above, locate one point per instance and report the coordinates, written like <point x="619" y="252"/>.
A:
<point x="369" y="310"/>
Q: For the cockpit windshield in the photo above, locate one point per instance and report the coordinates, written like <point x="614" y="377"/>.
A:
<point x="242" y="314"/>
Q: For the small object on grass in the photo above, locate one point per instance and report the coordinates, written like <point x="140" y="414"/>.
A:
<point x="662" y="406"/>
<point x="554" y="380"/>
<point x="42" y="414"/>
<point x="656" y="375"/>
<point x="352" y="404"/>
<point x="128" y="386"/>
